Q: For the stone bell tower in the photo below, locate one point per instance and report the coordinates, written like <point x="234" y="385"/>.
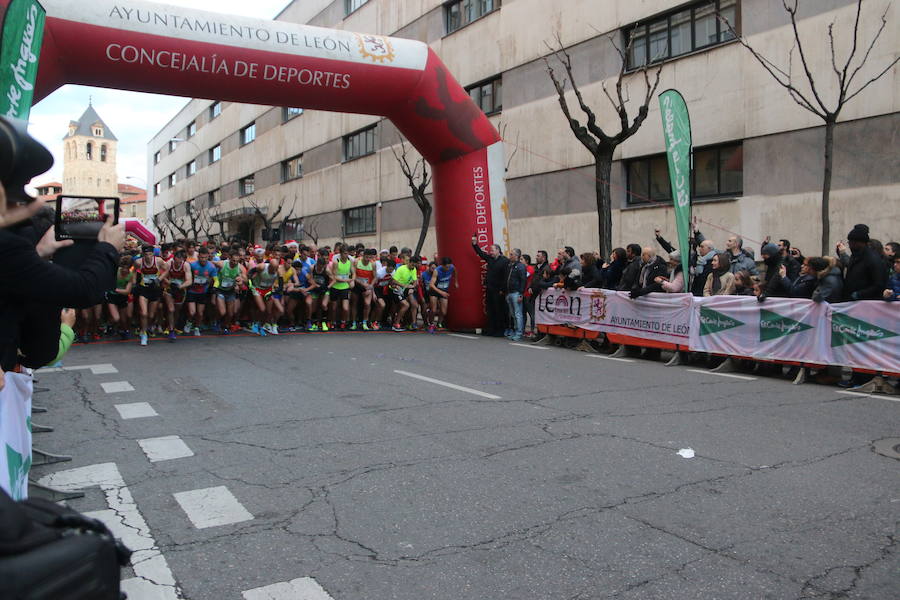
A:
<point x="89" y="157"/>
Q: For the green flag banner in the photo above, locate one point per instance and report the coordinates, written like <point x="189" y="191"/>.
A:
<point x="712" y="321"/>
<point x="20" y="49"/>
<point x="677" y="133"/>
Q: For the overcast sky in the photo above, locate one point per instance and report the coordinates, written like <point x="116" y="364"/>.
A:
<point x="133" y="117"/>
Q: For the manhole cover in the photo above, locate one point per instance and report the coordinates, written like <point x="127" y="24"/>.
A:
<point x="889" y="447"/>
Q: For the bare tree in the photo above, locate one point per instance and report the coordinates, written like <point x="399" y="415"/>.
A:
<point x="310" y="226"/>
<point x="503" y="127"/>
<point x="598" y="142"/>
<point x="418" y="183"/>
<point x="269" y="221"/>
<point x="812" y="100"/>
<point x="159" y="227"/>
<point x="197" y="219"/>
<point x="175" y="222"/>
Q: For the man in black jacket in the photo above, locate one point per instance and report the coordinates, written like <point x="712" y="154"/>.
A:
<point x="865" y="276"/>
<point x="516" y="278"/>
<point x="495" y="284"/>
<point x="632" y="269"/>
<point x="652" y="266"/>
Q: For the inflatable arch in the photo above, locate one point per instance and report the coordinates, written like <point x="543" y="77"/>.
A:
<point x="148" y="47"/>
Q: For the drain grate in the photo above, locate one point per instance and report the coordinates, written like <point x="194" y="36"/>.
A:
<point x="889" y="447"/>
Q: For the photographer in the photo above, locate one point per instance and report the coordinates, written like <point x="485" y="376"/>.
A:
<point x="34" y="290"/>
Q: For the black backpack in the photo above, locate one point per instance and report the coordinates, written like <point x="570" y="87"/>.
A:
<point x="51" y="552"/>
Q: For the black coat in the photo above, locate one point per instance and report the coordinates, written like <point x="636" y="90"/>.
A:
<point x="630" y="274"/>
<point x="645" y="283"/>
<point x="613" y="274"/>
<point x="32" y="292"/>
<point x="865" y="277"/>
<point x="497" y="268"/>
<point x="803" y="286"/>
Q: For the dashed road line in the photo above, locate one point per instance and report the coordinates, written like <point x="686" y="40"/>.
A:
<point x="733" y="376"/>
<point x="100" y="369"/>
<point x="113" y="387"/>
<point x="465" y="337"/>
<point x="452" y="386"/>
<point x="212" y="507"/>
<point x="304" y="588"/>
<point x="865" y="395"/>
<point x="136" y="410"/>
<point x="153" y="578"/>
<point x="529" y="346"/>
<point x="163" y="448"/>
<point x="604" y="357"/>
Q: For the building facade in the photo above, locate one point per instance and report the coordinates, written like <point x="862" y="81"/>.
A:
<point x="758" y="161"/>
<point x="89" y="157"/>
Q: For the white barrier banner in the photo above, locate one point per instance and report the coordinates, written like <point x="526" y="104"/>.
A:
<point x="15" y="434"/>
<point x="660" y="317"/>
<point x="789" y="329"/>
<point x="866" y="335"/>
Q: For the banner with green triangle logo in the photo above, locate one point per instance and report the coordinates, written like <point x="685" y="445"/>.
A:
<point x="773" y="326"/>
<point x="849" y="330"/>
<point x="712" y="321"/>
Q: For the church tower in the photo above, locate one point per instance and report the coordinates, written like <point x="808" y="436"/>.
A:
<point x="89" y="157"/>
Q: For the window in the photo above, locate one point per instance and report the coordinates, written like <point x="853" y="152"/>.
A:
<point x="102" y="152"/>
<point x="215" y="153"/>
<point x="157" y="156"/>
<point x="157" y="188"/>
<point x="212" y="198"/>
<point x="191" y="168"/>
<point x="98" y="132"/>
<point x="291" y="169"/>
<point x="686" y="30"/>
<point x="172" y="144"/>
<point x="247" y="185"/>
<point x="192" y="129"/>
<point x="718" y="172"/>
<point x="289" y="112"/>
<point x="215" y="109"/>
<point x="248" y="134"/>
<point x="89" y="151"/>
<point x="359" y="144"/>
<point x="173" y="179"/>
<point x="359" y="220"/>
<point x="488" y="95"/>
<point x="352" y="5"/>
<point x="459" y="13"/>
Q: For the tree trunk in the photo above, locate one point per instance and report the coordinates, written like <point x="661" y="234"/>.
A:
<point x="830" y="122"/>
<point x="602" y="169"/>
<point x="425" y="207"/>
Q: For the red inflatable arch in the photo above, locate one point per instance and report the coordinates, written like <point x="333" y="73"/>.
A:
<point x="147" y="47"/>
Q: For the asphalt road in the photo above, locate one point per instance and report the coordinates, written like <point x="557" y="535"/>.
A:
<point x="551" y="475"/>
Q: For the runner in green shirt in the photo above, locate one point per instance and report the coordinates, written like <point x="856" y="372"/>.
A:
<point x="403" y="286"/>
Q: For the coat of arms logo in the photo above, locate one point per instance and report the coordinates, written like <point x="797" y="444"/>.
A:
<point x="375" y="47"/>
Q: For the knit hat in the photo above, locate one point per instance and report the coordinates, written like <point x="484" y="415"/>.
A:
<point x="859" y="233"/>
<point x="769" y="249"/>
<point x="675" y="255"/>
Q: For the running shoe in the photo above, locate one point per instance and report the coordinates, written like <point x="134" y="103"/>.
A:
<point x="353" y="326"/>
<point x="143" y="338"/>
<point x="172" y="336"/>
<point x="515" y="338"/>
<point x="263" y="332"/>
<point x="313" y="328"/>
<point x="325" y="326"/>
<point x="376" y="326"/>
<point x="343" y="325"/>
<point x="254" y="328"/>
<point x="397" y="328"/>
<point x="187" y="327"/>
<point x="273" y="329"/>
<point x="431" y="329"/>
<point x="96" y="337"/>
<point x="196" y="332"/>
<point x="123" y="335"/>
<point x="226" y="331"/>
<point x="365" y="326"/>
<point x="235" y="328"/>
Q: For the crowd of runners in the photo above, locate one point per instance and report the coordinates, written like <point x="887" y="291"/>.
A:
<point x="183" y="289"/>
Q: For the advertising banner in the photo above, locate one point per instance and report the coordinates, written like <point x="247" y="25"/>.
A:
<point x="15" y="434"/>
<point x="677" y="132"/>
<point x="865" y="335"/>
<point x="659" y="317"/>
<point x="788" y="329"/>
<point x="23" y="32"/>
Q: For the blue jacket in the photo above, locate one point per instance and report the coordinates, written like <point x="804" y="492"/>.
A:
<point x="894" y="286"/>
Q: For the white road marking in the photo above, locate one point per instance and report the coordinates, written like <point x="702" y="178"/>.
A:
<point x="529" y="346"/>
<point x="112" y="387"/>
<point x="211" y="507"/>
<point x="153" y="578"/>
<point x="449" y="385"/>
<point x="165" y="448"/>
<point x="744" y="377"/>
<point x="304" y="588"/>
<point x="604" y="357"/>
<point x="101" y="369"/>
<point x="865" y="395"/>
<point x="136" y="410"/>
<point x="465" y="337"/>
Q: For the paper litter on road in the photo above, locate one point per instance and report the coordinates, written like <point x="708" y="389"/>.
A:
<point x="686" y="453"/>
